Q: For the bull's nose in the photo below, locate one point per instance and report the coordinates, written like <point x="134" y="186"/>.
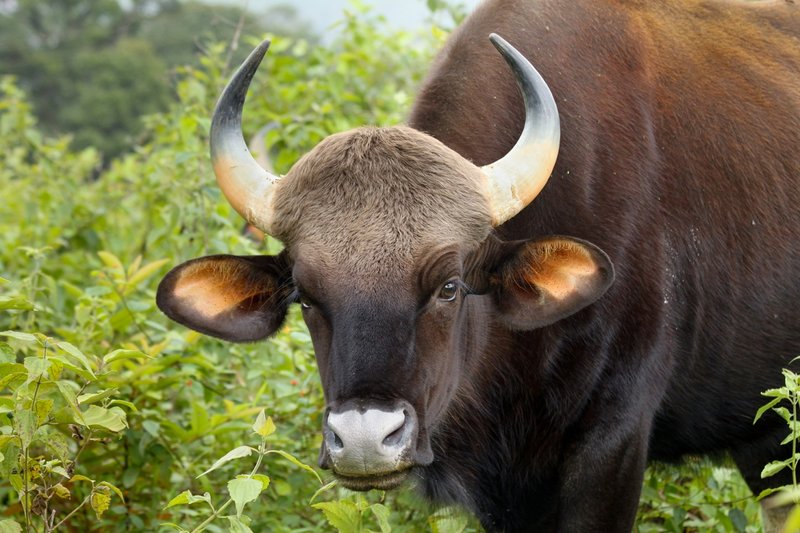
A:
<point x="367" y="442"/>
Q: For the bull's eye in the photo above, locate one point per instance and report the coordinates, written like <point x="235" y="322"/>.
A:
<point x="304" y="303"/>
<point x="449" y="291"/>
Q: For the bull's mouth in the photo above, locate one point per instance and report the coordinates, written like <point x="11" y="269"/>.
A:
<point x="387" y="481"/>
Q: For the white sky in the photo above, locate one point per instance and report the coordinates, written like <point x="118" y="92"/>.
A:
<point x="406" y="14"/>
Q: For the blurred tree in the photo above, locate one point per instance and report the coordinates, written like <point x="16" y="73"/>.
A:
<point x="185" y="29"/>
<point x="93" y="68"/>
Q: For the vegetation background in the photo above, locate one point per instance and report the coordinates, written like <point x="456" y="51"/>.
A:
<point x="109" y="414"/>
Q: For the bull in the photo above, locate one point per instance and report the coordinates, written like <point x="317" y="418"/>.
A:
<point x="526" y="358"/>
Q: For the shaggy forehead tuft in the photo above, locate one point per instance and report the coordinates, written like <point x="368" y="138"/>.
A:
<point x="374" y="197"/>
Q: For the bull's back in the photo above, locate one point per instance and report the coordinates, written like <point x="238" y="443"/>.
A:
<point x="680" y="157"/>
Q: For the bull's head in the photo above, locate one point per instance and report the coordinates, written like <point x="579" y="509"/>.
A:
<point x="390" y="253"/>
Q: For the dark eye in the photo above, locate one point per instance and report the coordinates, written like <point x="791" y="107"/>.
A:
<point x="304" y="302"/>
<point x="449" y="291"/>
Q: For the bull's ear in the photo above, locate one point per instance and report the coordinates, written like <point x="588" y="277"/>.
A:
<point x="234" y="298"/>
<point x="541" y="281"/>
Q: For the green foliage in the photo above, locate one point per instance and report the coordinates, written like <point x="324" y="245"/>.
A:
<point x="785" y="495"/>
<point x="48" y="420"/>
<point x="244" y="488"/>
<point x="697" y="496"/>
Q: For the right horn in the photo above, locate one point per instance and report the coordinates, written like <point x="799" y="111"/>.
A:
<point x="516" y="178"/>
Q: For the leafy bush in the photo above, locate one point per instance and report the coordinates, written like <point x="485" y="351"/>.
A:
<point x="114" y="419"/>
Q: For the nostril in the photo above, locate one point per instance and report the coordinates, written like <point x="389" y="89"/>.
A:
<point x="396" y="435"/>
<point x="337" y="441"/>
<point x="393" y="438"/>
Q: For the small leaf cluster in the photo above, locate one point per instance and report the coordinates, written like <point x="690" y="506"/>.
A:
<point x="700" y="495"/>
<point x="244" y="488"/>
<point x="789" y="494"/>
<point x="54" y="412"/>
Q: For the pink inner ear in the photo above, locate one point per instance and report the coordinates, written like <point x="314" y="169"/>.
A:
<point x="211" y="288"/>
<point x="558" y="267"/>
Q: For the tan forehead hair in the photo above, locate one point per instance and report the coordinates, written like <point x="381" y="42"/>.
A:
<point x="373" y="197"/>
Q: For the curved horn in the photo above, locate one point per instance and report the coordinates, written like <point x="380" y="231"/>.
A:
<point x="246" y="185"/>
<point x="516" y="178"/>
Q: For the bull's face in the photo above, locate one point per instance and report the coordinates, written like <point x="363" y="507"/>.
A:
<point x="390" y="254"/>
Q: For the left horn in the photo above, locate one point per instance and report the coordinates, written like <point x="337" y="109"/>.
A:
<point x="516" y="178"/>
<point x="246" y="185"/>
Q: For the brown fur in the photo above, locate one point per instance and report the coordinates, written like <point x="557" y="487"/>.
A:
<point x="390" y="193"/>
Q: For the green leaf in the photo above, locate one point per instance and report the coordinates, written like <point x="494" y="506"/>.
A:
<point x="774" y="467"/>
<point x="342" y="514"/>
<point x="783" y="413"/>
<point x="113" y="419"/>
<point x="110" y="260"/>
<point x="381" y="512"/>
<point x="324" y="488"/>
<point x="77" y="355"/>
<point x="7" y="354"/>
<point x="37" y="367"/>
<point x="124" y="403"/>
<point x="20" y="336"/>
<point x="86" y="399"/>
<point x="187" y="498"/>
<point x="68" y="392"/>
<point x="146" y="271"/>
<point x="782" y="392"/>
<point x="112" y="487"/>
<point x="25" y="426"/>
<point x="100" y="502"/>
<point x="764" y="408"/>
<point x="237" y="526"/>
<point x="10" y="526"/>
<point x="263" y="479"/>
<point x="61" y="491"/>
<point x="121" y="355"/>
<point x="16" y="302"/>
<point x="79" y="370"/>
<point x="264" y="426"/>
<point x="11" y="372"/>
<point x="200" y="419"/>
<point x="43" y="408"/>
<point x="243" y="490"/>
<point x="152" y="427"/>
<point x="236" y="453"/>
<point x="793" y="520"/>
<point x="790" y="379"/>
<point x="180" y="499"/>
<point x="174" y="526"/>
<point x="291" y="458"/>
<point x="58" y="444"/>
<point x="739" y="520"/>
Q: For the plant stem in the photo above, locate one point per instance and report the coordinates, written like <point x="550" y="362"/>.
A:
<point x="216" y="513"/>
<point x="86" y="499"/>
<point x="213" y="517"/>
<point x="794" y="443"/>
<point x="25" y="471"/>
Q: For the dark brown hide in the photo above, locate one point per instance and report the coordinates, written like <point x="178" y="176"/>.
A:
<point x="680" y="140"/>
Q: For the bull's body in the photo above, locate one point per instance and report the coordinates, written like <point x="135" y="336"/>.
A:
<point x="680" y="157"/>
<point x="482" y="366"/>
